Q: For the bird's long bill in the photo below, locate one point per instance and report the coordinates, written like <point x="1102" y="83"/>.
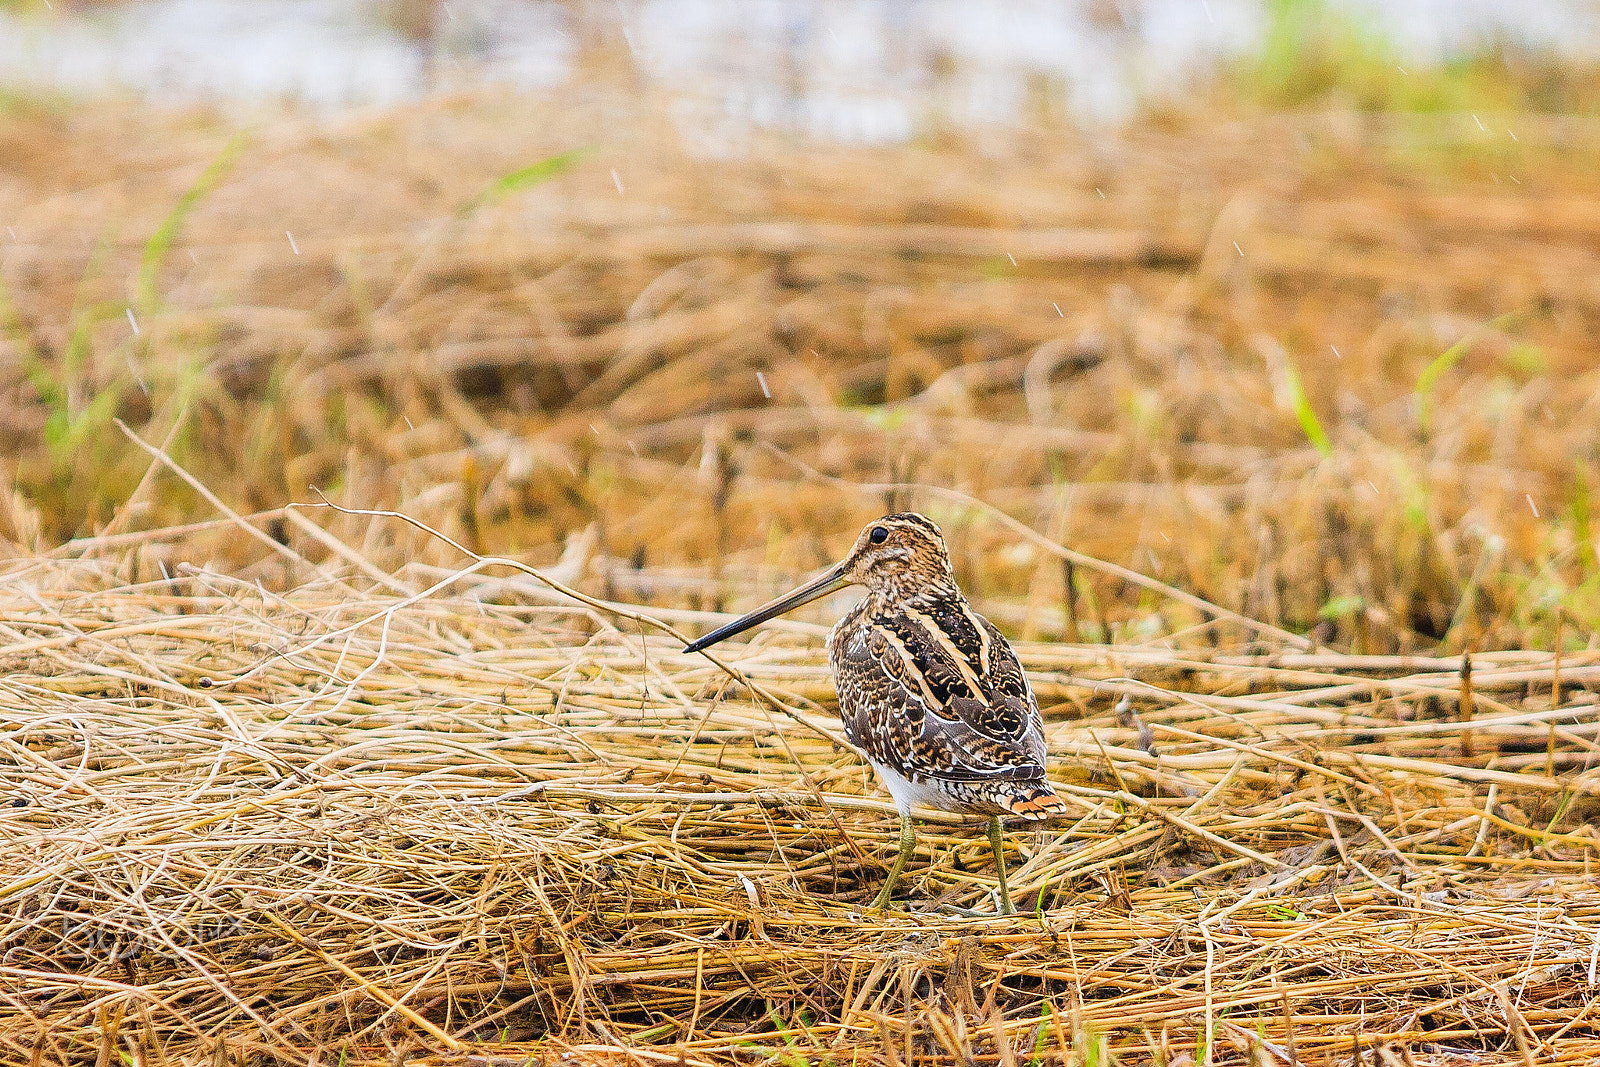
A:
<point x="834" y="578"/>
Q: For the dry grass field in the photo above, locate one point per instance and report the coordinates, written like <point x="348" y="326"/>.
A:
<point x="1252" y="429"/>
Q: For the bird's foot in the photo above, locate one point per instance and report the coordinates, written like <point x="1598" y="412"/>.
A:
<point x="881" y="902"/>
<point x="999" y="908"/>
<point x="972" y="913"/>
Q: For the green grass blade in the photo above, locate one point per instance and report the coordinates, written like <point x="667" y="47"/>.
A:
<point x="50" y="390"/>
<point x="1429" y="378"/>
<point x="1582" y="523"/>
<point x="1303" y="411"/>
<point x="160" y="242"/>
<point x="1040" y="1033"/>
<point x="525" y="178"/>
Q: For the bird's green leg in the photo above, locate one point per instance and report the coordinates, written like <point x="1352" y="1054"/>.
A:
<point x="908" y="843"/>
<point x="1000" y="864"/>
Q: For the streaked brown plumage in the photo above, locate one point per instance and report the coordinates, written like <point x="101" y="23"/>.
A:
<point x="929" y="691"/>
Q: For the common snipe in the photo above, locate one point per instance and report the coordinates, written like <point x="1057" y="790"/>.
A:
<point x="929" y="691"/>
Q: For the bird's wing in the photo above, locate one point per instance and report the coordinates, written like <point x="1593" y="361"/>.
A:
<point x="1006" y="677"/>
<point x="938" y="693"/>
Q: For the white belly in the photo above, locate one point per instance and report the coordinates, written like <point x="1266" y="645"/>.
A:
<point x="906" y="792"/>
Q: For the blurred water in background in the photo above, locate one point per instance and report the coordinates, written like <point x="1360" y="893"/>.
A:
<point x="853" y="70"/>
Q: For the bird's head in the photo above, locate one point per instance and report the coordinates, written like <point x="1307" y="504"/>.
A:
<point x="896" y="556"/>
<point x="902" y="554"/>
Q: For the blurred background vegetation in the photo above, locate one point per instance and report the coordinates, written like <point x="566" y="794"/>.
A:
<point x="1290" y="304"/>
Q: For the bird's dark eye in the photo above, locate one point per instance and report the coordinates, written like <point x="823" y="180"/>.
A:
<point x="878" y="535"/>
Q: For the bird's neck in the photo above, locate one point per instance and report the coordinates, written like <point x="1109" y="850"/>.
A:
<point x="914" y="591"/>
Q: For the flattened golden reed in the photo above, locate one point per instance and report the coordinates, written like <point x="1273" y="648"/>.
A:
<point x="930" y="692"/>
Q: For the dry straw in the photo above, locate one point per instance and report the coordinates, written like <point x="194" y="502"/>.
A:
<point x="351" y="823"/>
<point x="293" y="785"/>
<point x="1378" y="421"/>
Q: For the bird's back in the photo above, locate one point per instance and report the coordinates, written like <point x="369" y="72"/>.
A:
<point x="934" y="696"/>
